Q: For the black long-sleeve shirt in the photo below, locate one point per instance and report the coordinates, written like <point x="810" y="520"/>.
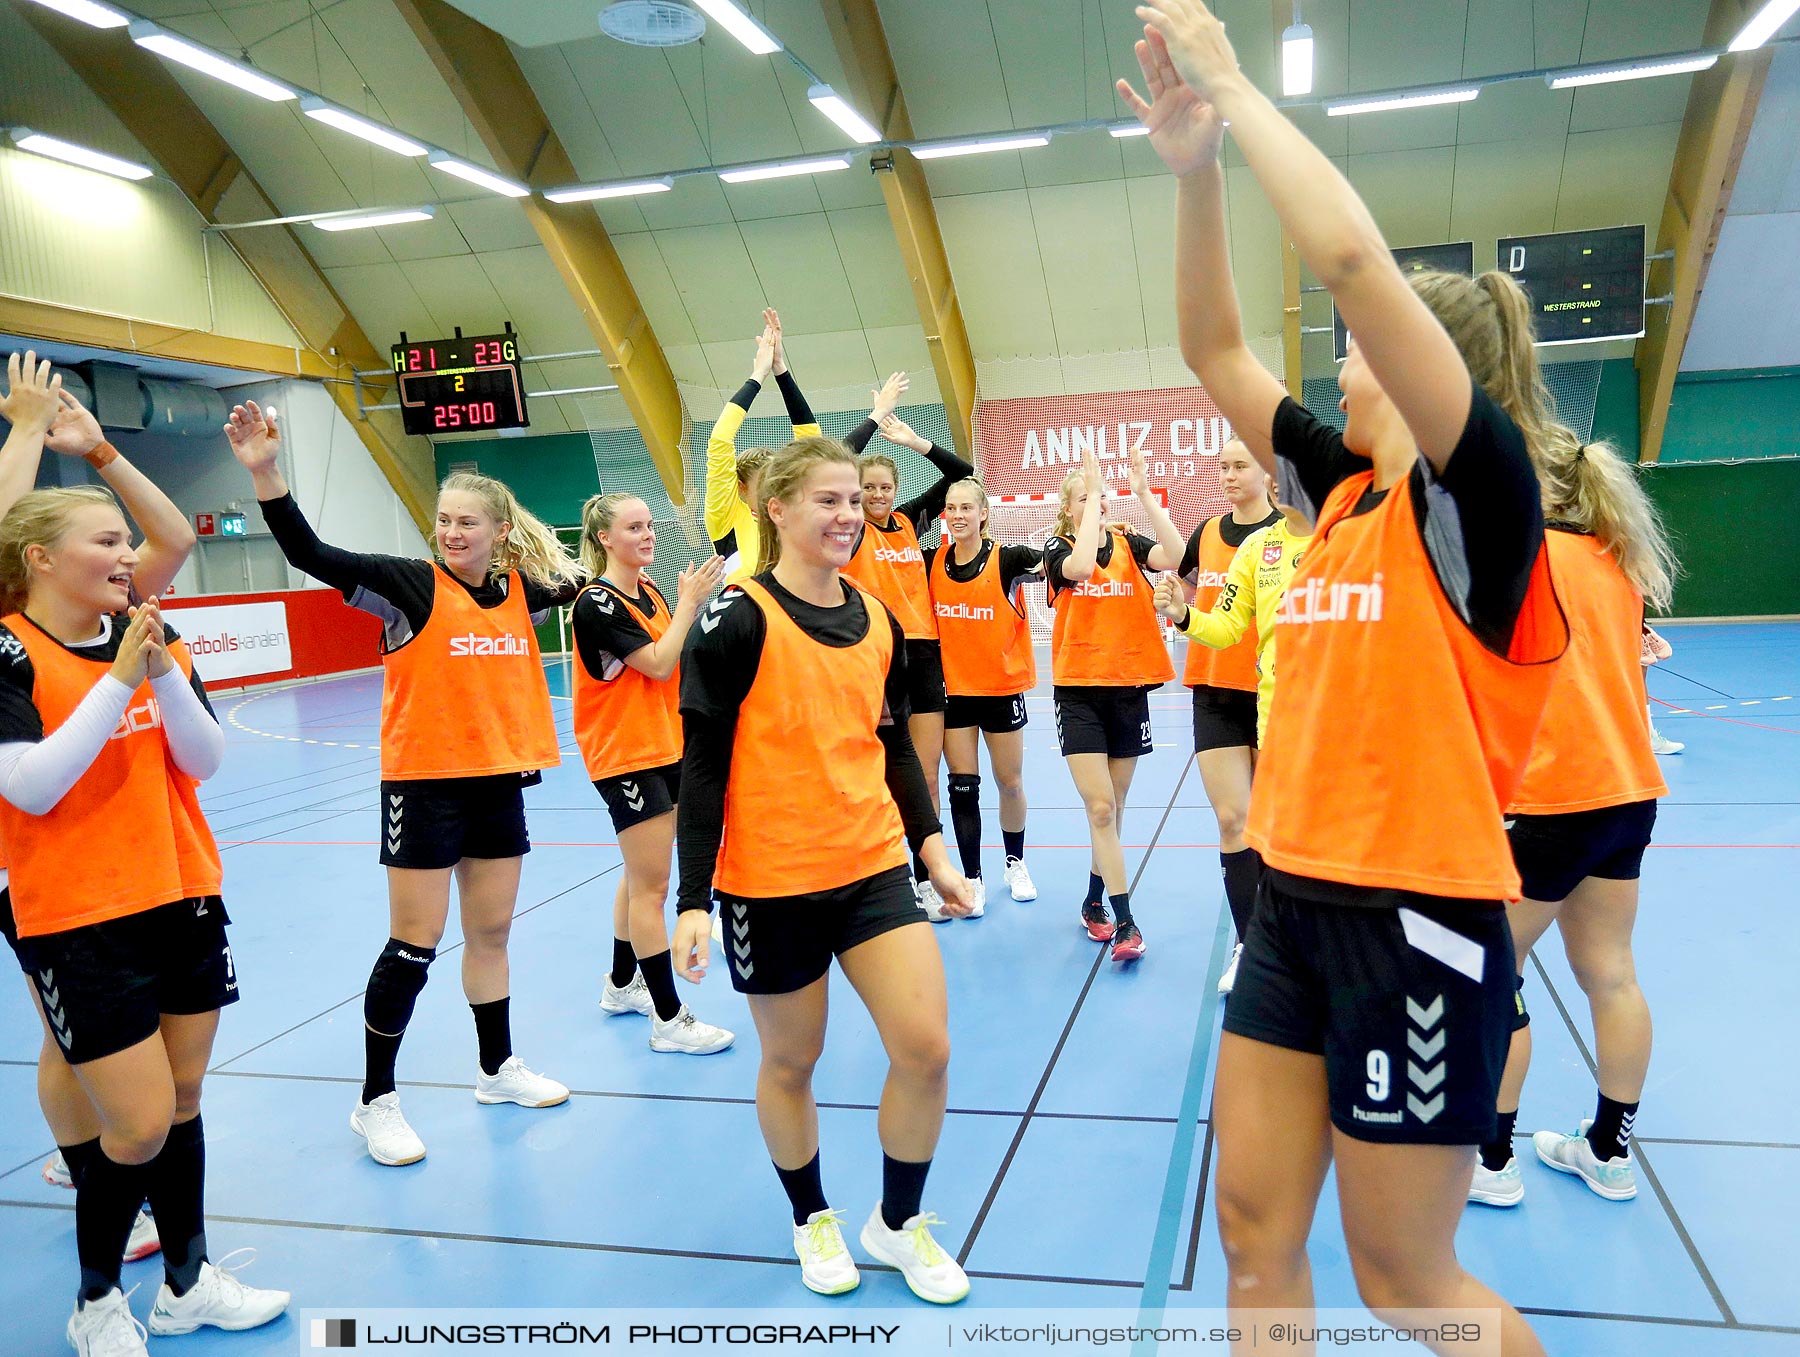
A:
<point x="397" y="589"/>
<point x="718" y="667"/>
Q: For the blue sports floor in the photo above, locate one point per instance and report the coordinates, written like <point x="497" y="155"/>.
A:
<point x="1075" y="1160"/>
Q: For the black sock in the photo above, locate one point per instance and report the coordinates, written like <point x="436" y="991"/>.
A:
<point x="920" y="871"/>
<point x="965" y="815"/>
<point x="1610" y="1135"/>
<point x="659" y="979"/>
<point x="177" y="1190"/>
<point x="1096" y="889"/>
<point x="493" y="1033"/>
<point x="805" y="1192"/>
<point x="1015" y="843"/>
<point x="106" y="1204"/>
<point x="394" y="985"/>
<point x="78" y="1156"/>
<point x="1121" y="907"/>
<point x="1496" y="1152"/>
<point x="1243" y="872"/>
<point x="624" y="963"/>
<point x="902" y="1185"/>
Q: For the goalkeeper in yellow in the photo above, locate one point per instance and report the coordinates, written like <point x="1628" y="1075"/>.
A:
<point x="1259" y="575"/>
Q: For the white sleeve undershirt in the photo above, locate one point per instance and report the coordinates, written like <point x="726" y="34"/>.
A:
<point x="195" y="740"/>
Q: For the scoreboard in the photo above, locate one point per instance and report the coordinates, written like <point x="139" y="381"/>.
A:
<point x="1455" y="257"/>
<point x="461" y="384"/>
<point x="1583" y="285"/>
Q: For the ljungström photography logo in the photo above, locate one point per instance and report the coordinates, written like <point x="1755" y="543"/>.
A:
<point x="334" y="1333"/>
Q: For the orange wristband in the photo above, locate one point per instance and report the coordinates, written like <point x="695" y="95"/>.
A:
<point x="102" y="454"/>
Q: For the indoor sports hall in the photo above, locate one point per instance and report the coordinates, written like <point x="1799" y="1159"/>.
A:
<point x="391" y="242"/>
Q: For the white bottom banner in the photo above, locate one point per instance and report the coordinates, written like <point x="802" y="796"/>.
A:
<point x="235" y="640"/>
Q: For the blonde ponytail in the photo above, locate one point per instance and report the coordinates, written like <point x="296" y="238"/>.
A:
<point x="783" y="476"/>
<point x="39" y="518"/>
<point x="1589" y="486"/>
<point x="530" y="547"/>
<point x="1065" y="518"/>
<point x="598" y="516"/>
<point x="972" y="483"/>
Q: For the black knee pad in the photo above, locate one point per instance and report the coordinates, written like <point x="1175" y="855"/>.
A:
<point x="1521" y="1019"/>
<point x="965" y="786"/>
<point x="394" y="986"/>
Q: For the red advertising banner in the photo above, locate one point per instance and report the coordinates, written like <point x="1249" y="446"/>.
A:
<point x="1027" y="445"/>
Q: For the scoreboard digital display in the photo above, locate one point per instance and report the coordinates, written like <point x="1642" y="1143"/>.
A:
<point x="461" y="385"/>
<point x="1457" y="256"/>
<point x="1583" y="285"/>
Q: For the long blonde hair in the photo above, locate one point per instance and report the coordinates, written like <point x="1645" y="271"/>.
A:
<point x="782" y="478"/>
<point x="750" y="463"/>
<point x="981" y="494"/>
<point x="39" y="518"/>
<point x="1590" y="486"/>
<point x="530" y="548"/>
<point x="597" y="516"/>
<point x="1065" y="519"/>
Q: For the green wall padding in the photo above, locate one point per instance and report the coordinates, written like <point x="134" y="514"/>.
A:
<point x="1728" y="572"/>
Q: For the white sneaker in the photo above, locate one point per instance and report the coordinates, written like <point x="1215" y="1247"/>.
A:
<point x="687" y="1034"/>
<point x="1227" y="980"/>
<point x="980" y="888"/>
<point x="1615" y="1179"/>
<point x="514" y="1083"/>
<point x="383" y="1125"/>
<point x="56" y="1171"/>
<point x="106" y="1328"/>
<point x="634" y="998"/>
<point x="1018" y="880"/>
<point x="143" y="1240"/>
<point x="218" y="1299"/>
<point x="1497" y="1187"/>
<point x="931" y="902"/>
<point x="1662" y="744"/>
<point x="825" y="1264"/>
<point x="932" y="1274"/>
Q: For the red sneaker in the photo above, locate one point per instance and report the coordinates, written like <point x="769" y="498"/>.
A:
<point x="1097" y="921"/>
<point x="1127" y="943"/>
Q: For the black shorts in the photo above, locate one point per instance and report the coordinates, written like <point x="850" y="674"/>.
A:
<point x="1110" y="721"/>
<point x="437" y="822"/>
<point x="777" y="946"/>
<point x="1556" y="853"/>
<point x="1412" y="1008"/>
<point x="633" y="798"/>
<point x="9" y="928"/>
<point x="924" y="676"/>
<point x="1224" y="718"/>
<point x="105" y="986"/>
<point x="995" y="715"/>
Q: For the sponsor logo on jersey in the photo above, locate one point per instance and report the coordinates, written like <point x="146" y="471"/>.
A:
<point x="899" y="555"/>
<point x="1209" y="579"/>
<point x="146" y="716"/>
<point x="1272" y="551"/>
<point x="1110" y="589"/>
<point x="964" y="610"/>
<point x="1317" y="601"/>
<point x="489" y="645"/>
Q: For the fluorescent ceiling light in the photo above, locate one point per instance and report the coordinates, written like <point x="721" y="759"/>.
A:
<point x="741" y="26"/>
<point x="1380" y="103"/>
<point x="1760" y="29"/>
<point x="832" y="105"/>
<point x="1296" y="60"/>
<point x="100" y="16"/>
<point x="27" y="140"/>
<point x="148" y="35"/>
<point x="785" y="169"/>
<point x="1630" y="70"/>
<point x="944" y="149"/>
<point x="359" y="127"/>
<point x="366" y="219"/>
<point x="487" y="179"/>
<point x="1133" y="129"/>
<point x="583" y="193"/>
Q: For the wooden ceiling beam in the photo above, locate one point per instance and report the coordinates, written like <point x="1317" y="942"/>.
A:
<point x="1721" y="108"/>
<point x="874" y="87"/>
<point x="142" y="95"/>
<point x="481" y="71"/>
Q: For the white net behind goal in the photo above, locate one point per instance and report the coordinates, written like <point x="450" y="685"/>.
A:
<point x="1030" y="520"/>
